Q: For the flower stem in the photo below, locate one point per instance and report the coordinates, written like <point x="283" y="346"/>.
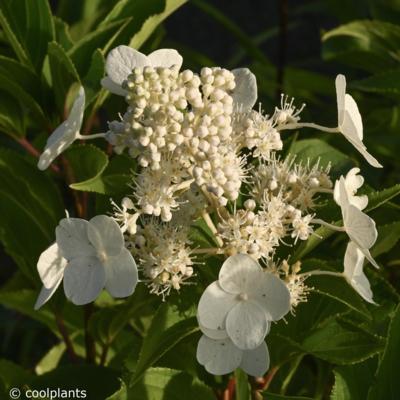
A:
<point x="67" y="340"/>
<point x="320" y="272"/>
<point x="34" y="152"/>
<point x="309" y="125"/>
<point x="213" y="229"/>
<point x="89" y="341"/>
<point x="94" y="136"/>
<point x="328" y="225"/>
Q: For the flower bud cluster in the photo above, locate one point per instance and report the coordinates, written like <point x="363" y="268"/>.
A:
<point x="298" y="183"/>
<point x="164" y="254"/>
<point x="257" y="132"/>
<point x="259" y="232"/>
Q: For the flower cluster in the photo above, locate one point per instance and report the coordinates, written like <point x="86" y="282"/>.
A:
<point x="207" y="161"/>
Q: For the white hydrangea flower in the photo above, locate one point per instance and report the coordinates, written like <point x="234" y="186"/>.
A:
<point x="65" y="134"/>
<point x="123" y="59"/>
<point x="352" y="183"/>
<point x="354" y="274"/>
<point x="219" y="355"/>
<point x="243" y="302"/>
<point x="359" y="227"/>
<point x="122" y="215"/>
<point x="88" y="256"/>
<point x="350" y="122"/>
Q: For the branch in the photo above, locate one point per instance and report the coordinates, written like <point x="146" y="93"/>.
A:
<point x="67" y="340"/>
<point x="89" y="341"/>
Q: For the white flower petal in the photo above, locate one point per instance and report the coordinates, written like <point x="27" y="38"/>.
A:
<point x="352" y="183"/>
<point x="256" y="362"/>
<point x="165" y="58"/>
<point x="51" y="266"/>
<point x="272" y="295"/>
<point x="353" y="113"/>
<point x="122" y="60"/>
<point x="72" y="238"/>
<point x="213" y="333"/>
<point x="121" y="274"/>
<point x="84" y="278"/>
<point x="238" y="272"/>
<point x="354" y="274"/>
<point x="368" y="256"/>
<point x="219" y="357"/>
<point x="340" y="84"/>
<point x="214" y="306"/>
<point x="113" y="87"/>
<point x="46" y="293"/>
<point x="245" y="93"/>
<point x="246" y="325"/>
<point x="105" y="235"/>
<point x="65" y="134"/>
<point x="360" y="228"/>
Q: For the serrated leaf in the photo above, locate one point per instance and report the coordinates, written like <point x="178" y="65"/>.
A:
<point x="87" y="163"/>
<point x="387" y="383"/>
<point x="82" y="50"/>
<point x="62" y="34"/>
<point x="165" y="383"/>
<point x="341" y="342"/>
<point x="367" y="44"/>
<point x="31" y="207"/>
<point x="168" y="327"/>
<point x="378" y="198"/>
<point x="32" y="23"/>
<point x="338" y="289"/>
<point x="385" y="82"/>
<point x="93" y="77"/>
<point x="388" y="236"/>
<point x="352" y="381"/>
<point x="63" y="73"/>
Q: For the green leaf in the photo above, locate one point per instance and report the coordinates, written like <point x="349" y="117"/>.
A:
<point x="31" y="207"/>
<point x="369" y="45"/>
<point x="51" y="359"/>
<point x="147" y="16"/>
<point x="312" y="150"/>
<point x="102" y="38"/>
<point x="87" y="162"/>
<point x="13" y="375"/>
<point x="352" y="381"/>
<point x="114" y="179"/>
<point x="168" y="328"/>
<point x="338" y="289"/>
<point x="22" y="84"/>
<point x="93" y="77"/>
<point x="13" y="40"/>
<point x="62" y="34"/>
<point x="32" y="23"/>
<point x="274" y="396"/>
<point x="387" y="383"/>
<point x="63" y="73"/>
<point x="121" y="394"/>
<point x="151" y="23"/>
<point x="12" y="120"/>
<point x="98" y="382"/>
<point x="377" y="199"/>
<point x="165" y="383"/>
<point x="388" y="236"/>
<point x="385" y="82"/>
<point x="243" y="390"/>
<point x="341" y="342"/>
